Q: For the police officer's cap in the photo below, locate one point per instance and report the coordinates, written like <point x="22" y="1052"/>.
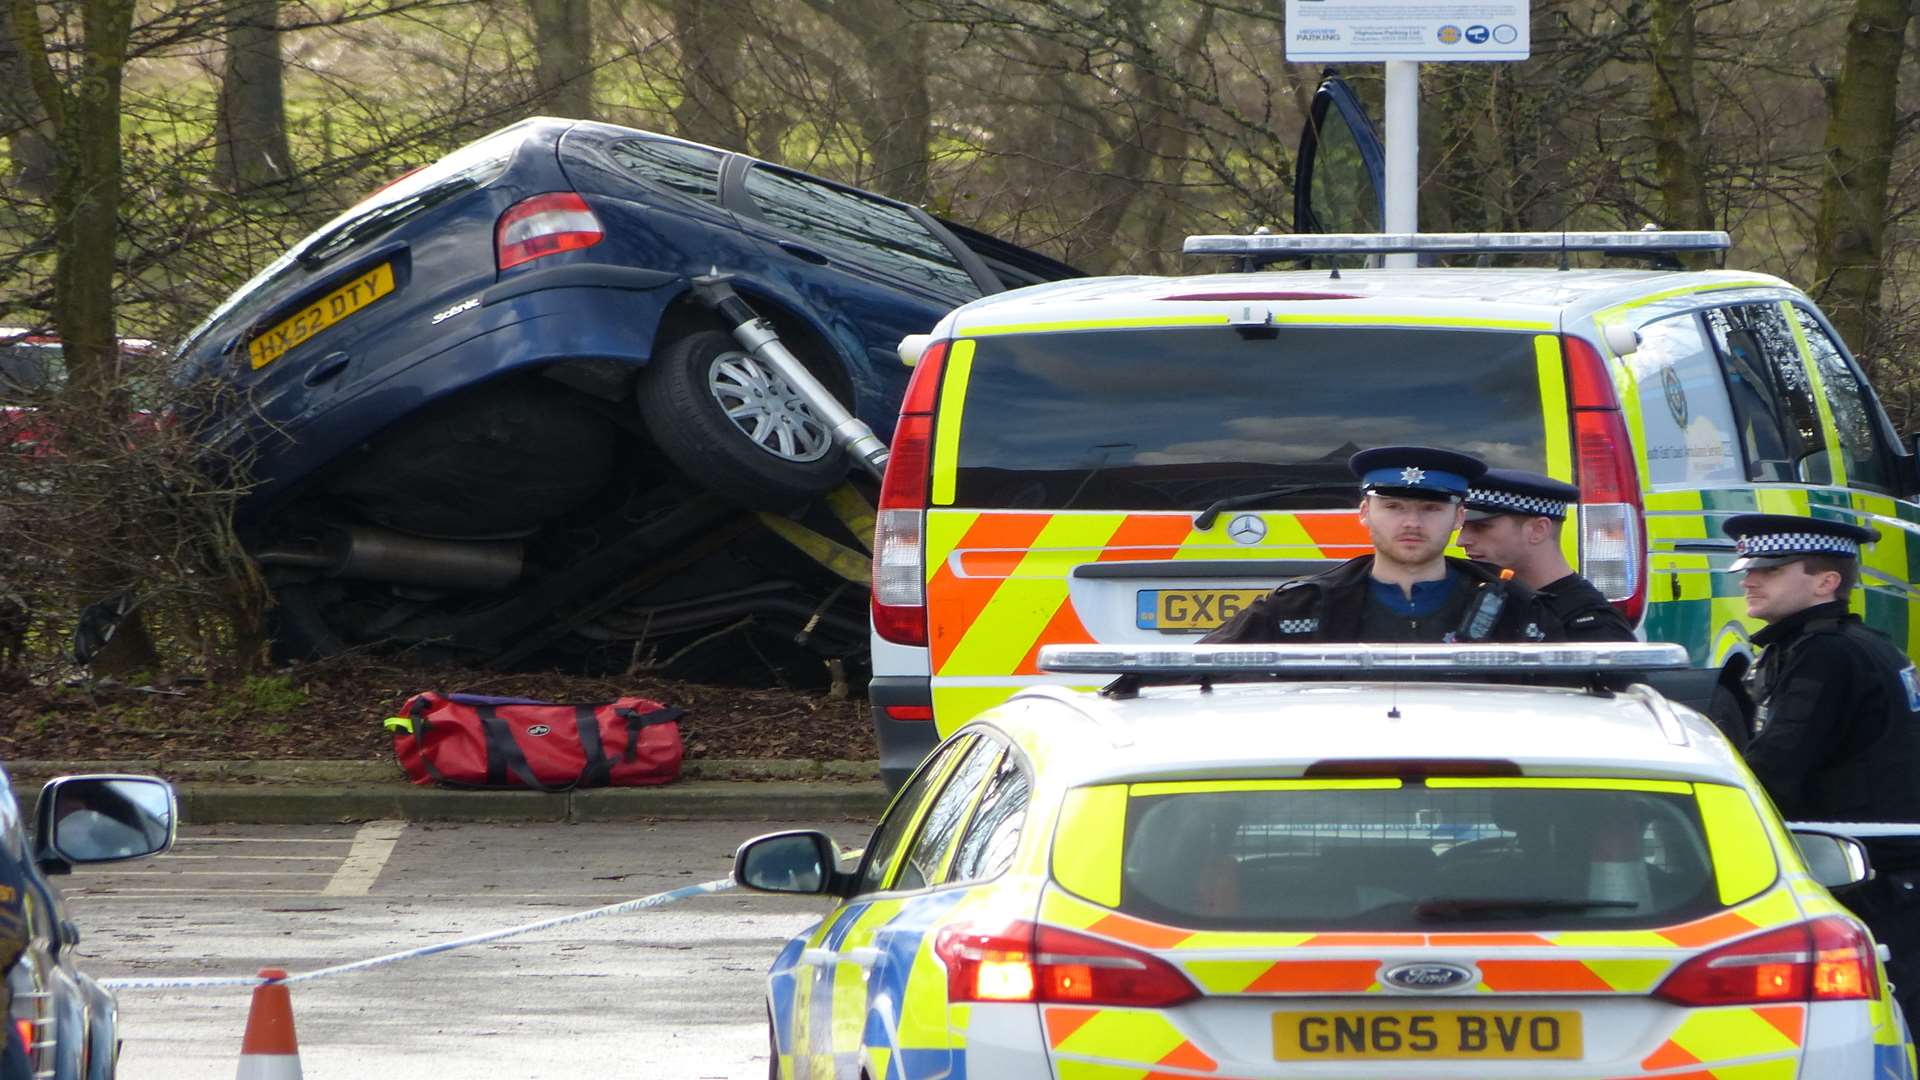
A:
<point x="1765" y="540"/>
<point x="1423" y="472"/>
<point x="1512" y="491"/>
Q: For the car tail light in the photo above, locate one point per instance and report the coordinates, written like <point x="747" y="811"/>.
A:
<point x="1828" y="959"/>
<point x="1613" y="546"/>
<point x="908" y="712"/>
<point x="1019" y="961"/>
<point x="544" y="225"/>
<point x="899" y="557"/>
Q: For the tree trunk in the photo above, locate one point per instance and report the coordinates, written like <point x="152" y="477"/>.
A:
<point x="1848" y="240"/>
<point x="83" y="106"/>
<point x="24" y="124"/>
<point x="250" y="125"/>
<point x="711" y="38"/>
<point x="563" y="57"/>
<point x="897" y="117"/>
<point x="1679" y="164"/>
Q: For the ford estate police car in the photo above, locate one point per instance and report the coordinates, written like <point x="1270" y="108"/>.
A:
<point x="1345" y="870"/>
<point x="1130" y="460"/>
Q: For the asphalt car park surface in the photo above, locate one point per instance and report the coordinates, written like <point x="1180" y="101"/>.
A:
<point x="670" y="992"/>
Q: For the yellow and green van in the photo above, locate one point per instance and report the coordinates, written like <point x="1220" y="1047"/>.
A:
<point x="1060" y="444"/>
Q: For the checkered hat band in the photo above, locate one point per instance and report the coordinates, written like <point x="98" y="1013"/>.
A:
<point x="1797" y="544"/>
<point x="1508" y="502"/>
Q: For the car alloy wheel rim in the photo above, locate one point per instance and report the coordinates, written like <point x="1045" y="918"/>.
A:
<point x="766" y="409"/>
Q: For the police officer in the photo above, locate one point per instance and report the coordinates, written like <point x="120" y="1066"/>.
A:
<point x="1514" y="519"/>
<point x="1836" y="735"/>
<point x="1407" y="591"/>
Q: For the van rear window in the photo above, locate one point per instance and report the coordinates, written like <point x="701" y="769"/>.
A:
<point x="1168" y="419"/>
<point x="1416" y="856"/>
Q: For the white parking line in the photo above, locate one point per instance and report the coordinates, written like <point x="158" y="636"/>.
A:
<point x="371" y="847"/>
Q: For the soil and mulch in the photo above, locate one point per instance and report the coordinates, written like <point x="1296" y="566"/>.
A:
<point x="334" y="709"/>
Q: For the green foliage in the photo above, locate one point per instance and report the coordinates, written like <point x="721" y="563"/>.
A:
<point x="259" y="696"/>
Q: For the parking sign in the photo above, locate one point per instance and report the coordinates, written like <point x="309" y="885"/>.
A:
<point x="1436" y="30"/>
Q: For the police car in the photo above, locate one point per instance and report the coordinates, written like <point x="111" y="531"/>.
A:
<point x="1446" y="861"/>
<point x="1131" y="460"/>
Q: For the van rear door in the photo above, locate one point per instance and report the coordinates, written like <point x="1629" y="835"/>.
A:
<point x="1069" y="466"/>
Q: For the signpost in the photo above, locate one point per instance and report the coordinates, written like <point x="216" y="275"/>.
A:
<point x="1401" y="33"/>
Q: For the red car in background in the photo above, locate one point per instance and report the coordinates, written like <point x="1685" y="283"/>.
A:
<point x="32" y="369"/>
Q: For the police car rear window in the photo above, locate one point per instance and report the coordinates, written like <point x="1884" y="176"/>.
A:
<point x="1166" y="419"/>
<point x="1416" y="858"/>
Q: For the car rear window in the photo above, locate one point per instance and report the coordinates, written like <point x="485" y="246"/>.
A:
<point x="1417" y="855"/>
<point x="1165" y="419"/>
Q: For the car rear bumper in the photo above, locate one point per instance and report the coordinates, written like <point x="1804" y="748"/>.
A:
<point x="556" y="319"/>
<point x="903" y="743"/>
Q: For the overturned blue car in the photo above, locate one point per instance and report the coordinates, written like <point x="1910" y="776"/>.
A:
<point x="488" y="412"/>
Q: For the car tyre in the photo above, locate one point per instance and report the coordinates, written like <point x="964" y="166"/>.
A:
<point x="770" y="454"/>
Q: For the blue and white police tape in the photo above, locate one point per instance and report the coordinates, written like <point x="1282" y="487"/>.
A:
<point x="641" y="904"/>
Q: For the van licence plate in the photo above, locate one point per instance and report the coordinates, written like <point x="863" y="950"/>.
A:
<point x="363" y="289"/>
<point x="1403" y="1034"/>
<point x="1191" y="609"/>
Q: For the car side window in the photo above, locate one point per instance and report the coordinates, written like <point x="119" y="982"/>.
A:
<point x="892" y="832"/>
<point x="1855" y="415"/>
<point x="876" y="234"/>
<point x="1772" y="401"/>
<point x="926" y="864"/>
<point x="1691" y="438"/>
<point x="690" y="170"/>
<point x="986" y="848"/>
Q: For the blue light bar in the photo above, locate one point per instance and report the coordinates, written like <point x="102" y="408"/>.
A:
<point x="1199" y="660"/>
<point x="1286" y="245"/>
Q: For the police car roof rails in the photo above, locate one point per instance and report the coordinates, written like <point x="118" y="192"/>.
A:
<point x="1267" y="247"/>
<point x="1582" y="665"/>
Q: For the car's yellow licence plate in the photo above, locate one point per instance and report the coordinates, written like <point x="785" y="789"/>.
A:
<point x="1191" y="609"/>
<point x="327" y="311"/>
<point x="1406" y="1033"/>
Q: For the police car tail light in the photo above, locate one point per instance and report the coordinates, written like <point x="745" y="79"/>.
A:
<point x="1018" y="961"/>
<point x="1828" y="959"/>
<point x="544" y="225"/>
<point x="899" y="562"/>
<point x="1613" y="550"/>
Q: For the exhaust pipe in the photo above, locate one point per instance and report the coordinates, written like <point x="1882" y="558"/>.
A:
<point x="757" y="336"/>
<point x="366" y="553"/>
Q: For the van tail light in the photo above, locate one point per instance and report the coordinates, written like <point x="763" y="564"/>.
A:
<point x="1613" y="545"/>
<point x="1828" y="959"/>
<point x="1019" y="961"/>
<point x="544" y="225"/>
<point x="899" y="550"/>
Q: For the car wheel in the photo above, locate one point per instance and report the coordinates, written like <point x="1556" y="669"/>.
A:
<point x="733" y="424"/>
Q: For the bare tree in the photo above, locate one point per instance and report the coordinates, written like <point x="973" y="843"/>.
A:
<point x="1861" y="135"/>
<point x="250" y="123"/>
<point x="1679" y="161"/>
<point x="563" y="57"/>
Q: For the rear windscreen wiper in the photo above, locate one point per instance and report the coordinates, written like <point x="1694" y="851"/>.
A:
<point x="1493" y="907"/>
<point x="375" y="222"/>
<point x="1204" y="519"/>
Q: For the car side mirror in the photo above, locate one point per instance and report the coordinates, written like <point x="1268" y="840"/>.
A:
<point x="800" y="862"/>
<point x="102" y="818"/>
<point x="1834" y="861"/>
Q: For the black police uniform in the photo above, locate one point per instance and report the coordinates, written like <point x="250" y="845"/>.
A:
<point x="1473" y="602"/>
<point x="1837" y="729"/>
<point x="1341" y="606"/>
<point x="1583" y="613"/>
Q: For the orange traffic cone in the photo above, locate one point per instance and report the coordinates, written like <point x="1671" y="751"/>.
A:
<point x="269" y="1051"/>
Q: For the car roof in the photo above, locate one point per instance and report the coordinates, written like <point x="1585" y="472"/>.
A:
<point x="1278" y="729"/>
<point x="1538" y="294"/>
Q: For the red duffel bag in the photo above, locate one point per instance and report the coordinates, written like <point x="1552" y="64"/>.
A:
<point x="469" y="740"/>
